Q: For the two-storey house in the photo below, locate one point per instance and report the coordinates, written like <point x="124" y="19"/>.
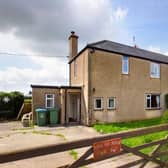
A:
<point x="109" y="82"/>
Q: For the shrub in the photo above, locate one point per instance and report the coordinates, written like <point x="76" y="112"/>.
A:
<point x="18" y="99"/>
<point x="165" y="117"/>
<point x="166" y="101"/>
<point x="4" y="105"/>
<point x="10" y="104"/>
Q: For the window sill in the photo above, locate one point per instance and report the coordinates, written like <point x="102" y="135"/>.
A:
<point x="154" y="77"/>
<point x="153" y="108"/>
<point x="97" y="109"/>
<point x="111" y="109"/>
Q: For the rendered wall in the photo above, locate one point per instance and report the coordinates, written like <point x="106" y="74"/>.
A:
<point x="129" y="90"/>
<point x="81" y="79"/>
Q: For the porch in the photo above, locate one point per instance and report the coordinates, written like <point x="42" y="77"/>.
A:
<point x="66" y="98"/>
<point x="70" y="106"/>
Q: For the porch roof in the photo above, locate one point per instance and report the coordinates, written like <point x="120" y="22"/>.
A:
<point x="55" y="87"/>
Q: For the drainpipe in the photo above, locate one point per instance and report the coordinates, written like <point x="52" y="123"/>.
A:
<point x="66" y="107"/>
<point x="90" y="115"/>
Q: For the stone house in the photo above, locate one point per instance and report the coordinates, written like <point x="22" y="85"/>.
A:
<point x="109" y="82"/>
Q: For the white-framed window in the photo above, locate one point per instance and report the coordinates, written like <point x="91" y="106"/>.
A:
<point x="75" y="68"/>
<point x="98" y="103"/>
<point x="125" y="65"/>
<point x="49" y="100"/>
<point x="111" y="103"/>
<point x="154" y="70"/>
<point x="152" y="101"/>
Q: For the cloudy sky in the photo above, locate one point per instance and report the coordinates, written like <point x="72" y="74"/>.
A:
<point x="33" y="34"/>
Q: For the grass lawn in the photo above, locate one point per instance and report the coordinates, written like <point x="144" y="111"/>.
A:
<point x="117" y="127"/>
<point x="136" y="141"/>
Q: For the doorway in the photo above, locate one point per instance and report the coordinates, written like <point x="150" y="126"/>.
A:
<point x="74" y="110"/>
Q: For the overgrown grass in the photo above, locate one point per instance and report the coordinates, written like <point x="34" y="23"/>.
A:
<point x="49" y="133"/>
<point x="136" y="141"/>
<point x="23" y="129"/>
<point x="162" y="149"/>
<point x="61" y="136"/>
<point x="74" y="154"/>
<point x="42" y="132"/>
<point x="117" y="127"/>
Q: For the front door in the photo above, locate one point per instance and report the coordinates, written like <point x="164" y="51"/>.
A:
<point x="74" y="108"/>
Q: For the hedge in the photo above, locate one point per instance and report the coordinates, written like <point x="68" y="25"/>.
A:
<point x="166" y="101"/>
<point x="10" y="104"/>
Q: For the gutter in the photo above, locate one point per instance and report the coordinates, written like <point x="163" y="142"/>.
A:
<point x="55" y="87"/>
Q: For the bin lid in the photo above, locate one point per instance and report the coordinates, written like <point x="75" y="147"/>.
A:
<point x="41" y="110"/>
<point x="54" y="109"/>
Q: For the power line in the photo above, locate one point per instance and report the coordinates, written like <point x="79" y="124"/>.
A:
<point x="21" y="54"/>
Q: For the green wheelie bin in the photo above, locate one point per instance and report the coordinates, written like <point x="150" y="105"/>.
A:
<point x="41" y="116"/>
<point x="54" y="116"/>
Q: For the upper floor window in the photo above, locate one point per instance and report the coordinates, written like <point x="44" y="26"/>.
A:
<point x="154" y="70"/>
<point x="125" y="65"/>
<point x="49" y="101"/>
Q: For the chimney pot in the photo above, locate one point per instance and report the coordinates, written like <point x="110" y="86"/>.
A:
<point x="72" y="32"/>
<point x="73" y="44"/>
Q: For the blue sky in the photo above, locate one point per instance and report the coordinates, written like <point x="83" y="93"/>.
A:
<point x="147" y="20"/>
<point x="32" y="28"/>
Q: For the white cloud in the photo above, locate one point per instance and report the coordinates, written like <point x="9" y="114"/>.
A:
<point x="166" y="53"/>
<point x="10" y="43"/>
<point x="154" y="49"/>
<point x="43" y="29"/>
<point x="120" y="13"/>
<point x="157" y="50"/>
<point x="52" y="71"/>
<point x="39" y="70"/>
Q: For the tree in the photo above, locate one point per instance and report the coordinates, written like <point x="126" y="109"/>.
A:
<point x="10" y="104"/>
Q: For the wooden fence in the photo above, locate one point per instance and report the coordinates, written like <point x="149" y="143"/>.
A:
<point x="26" y="108"/>
<point x="85" y="159"/>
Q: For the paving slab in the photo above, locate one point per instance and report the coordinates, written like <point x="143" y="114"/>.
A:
<point x="25" y="141"/>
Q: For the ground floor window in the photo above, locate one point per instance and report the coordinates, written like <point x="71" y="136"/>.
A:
<point x="98" y="103"/>
<point x="152" y="101"/>
<point x="49" y="100"/>
<point x="111" y="103"/>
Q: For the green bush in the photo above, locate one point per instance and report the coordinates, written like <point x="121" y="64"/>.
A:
<point x="10" y="104"/>
<point x="166" y="101"/>
<point x="165" y="117"/>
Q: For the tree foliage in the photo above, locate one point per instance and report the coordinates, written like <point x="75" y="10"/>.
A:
<point x="10" y="104"/>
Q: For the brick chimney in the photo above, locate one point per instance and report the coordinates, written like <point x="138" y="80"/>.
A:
<point x="73" y="45"/>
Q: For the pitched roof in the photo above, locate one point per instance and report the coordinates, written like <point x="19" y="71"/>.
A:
<point x="109" y="46"/>
<point x="128" y="50"/>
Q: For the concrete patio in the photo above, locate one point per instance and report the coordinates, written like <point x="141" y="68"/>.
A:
<point x="14" y="137"/>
